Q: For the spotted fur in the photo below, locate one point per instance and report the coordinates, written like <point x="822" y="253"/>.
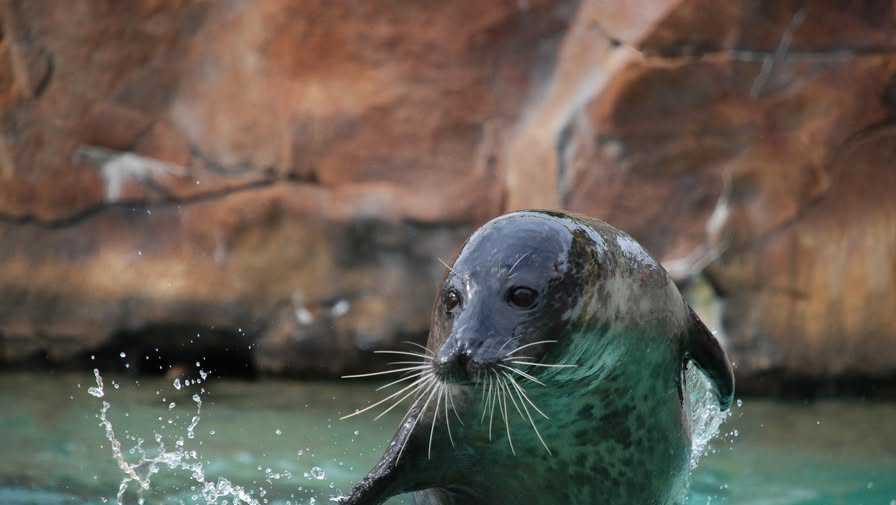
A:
<point x="618" y="431"/>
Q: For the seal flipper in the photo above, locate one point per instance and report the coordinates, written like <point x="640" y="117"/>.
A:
<point x="379" y="485"/>
<point x="385" y="480"/>
<point x="375" y="487"/>
<point x="704" y="350"/>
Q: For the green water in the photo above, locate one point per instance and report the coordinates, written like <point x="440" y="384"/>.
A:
<point x="55" y="452"/>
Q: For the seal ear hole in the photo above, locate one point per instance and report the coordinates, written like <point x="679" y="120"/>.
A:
<point x="522" y="297"/>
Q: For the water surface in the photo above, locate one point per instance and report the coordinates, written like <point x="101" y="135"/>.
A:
<point x="282" y="441"/>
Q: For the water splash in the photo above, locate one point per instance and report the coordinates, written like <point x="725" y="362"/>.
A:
<point x="98" y="390"/>
<point x="316" y="473"/>
<point x="703" y="411"/>
<point x="705" y="420"/>
<point x="191" y="434"/>
<point x="145" y="463"/>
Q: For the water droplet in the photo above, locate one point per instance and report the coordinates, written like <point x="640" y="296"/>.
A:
<point x="98" y="390"/>
<point x="211" y="432"/>
<point x="278" y="431"/>
<point x="740" y="403"/>
<point x="177" y="384"/>
<point x="357" y="433"/>
<point x="92" y="357"/>
<point x="122" y="355"/>
<point x="171" y="405"/>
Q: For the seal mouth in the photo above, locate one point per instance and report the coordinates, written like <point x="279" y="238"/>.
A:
<point x="455" y="379"/>
<point x="427" y="376"/>
<point x="461" y="369"/>
<point x="430" y="383"/>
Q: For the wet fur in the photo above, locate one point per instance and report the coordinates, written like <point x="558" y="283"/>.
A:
<point x="618" y="431"/>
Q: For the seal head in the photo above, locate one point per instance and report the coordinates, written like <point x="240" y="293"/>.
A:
<point x="511" y="285"/>
<point x="553" y="374"/>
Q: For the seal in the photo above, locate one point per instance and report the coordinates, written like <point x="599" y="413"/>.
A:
<point x="553" y="374"/>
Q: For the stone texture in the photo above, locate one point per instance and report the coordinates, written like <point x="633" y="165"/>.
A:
<point x="273" y="182"/>
<point x="278" y="177"/>
<point x="762" y="160"/>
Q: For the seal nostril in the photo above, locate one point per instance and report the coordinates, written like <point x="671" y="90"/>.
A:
<point x="454" y="367"/>
<point x="462" y="360"/>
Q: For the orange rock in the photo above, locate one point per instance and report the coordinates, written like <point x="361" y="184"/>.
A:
<point x="289" y="173"/>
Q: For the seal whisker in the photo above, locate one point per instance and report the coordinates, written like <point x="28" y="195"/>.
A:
<point x="504" y="345"/>
<point x="504" y="414"/>
<point x="421" y="392"/>
<point x="545" y="365"/>
<point x="491" y="415"/>
<point x="454" y="408"/>
<point x="409" y="362"/>
<point x="415" y="374"/>
<point x="486" y="394"/>
<point x="397" y="370"/>
<point x="428" y="395"/>
<point x="445" y="264"/>
<point x="522" y="391"/>
<point x="512" y="399"/>
<point x="521" y="258"/>
<point x="435" y="418"/>
<point x="447" y="417"/>
<point x="406" y="353"/>
<point x="528" y="415"/>
<point x="384" y="400"/>
<point x="416" y="390"/>
<point x="520" y="348"/>
<point x="522" y="373"/>
<point x="421" y="347"/>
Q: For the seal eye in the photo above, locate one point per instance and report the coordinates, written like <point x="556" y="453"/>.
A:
<point x="452" y="300"/>
<point x="522" y="297"/>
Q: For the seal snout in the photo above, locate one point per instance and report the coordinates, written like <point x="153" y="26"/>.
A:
<point x="453" y="367"/>
<point x="460" y="367"/>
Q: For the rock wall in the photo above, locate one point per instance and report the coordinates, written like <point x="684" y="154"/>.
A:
<point x="278" y="180"/>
